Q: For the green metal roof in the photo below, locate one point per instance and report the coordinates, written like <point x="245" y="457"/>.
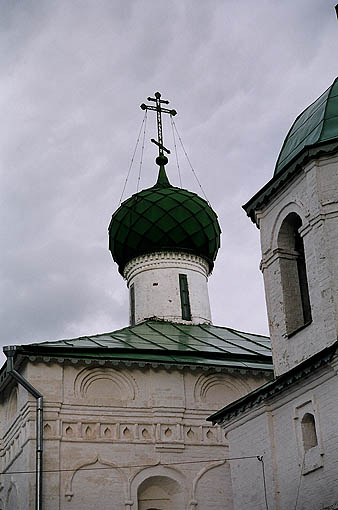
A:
<point x="317" y="124"/>
<point x="313" y="134"/>
<point x="165" y="342"/>
<point x="163" y="218"/>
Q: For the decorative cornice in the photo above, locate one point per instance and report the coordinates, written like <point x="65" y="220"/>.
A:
<point x="165" y="259"/>
<point x="155" y="365"/>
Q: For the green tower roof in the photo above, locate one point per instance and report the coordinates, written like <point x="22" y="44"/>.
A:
<point x="163" y="218"/>
<point x="316" y="125"/>
<point x="313" y="134"/>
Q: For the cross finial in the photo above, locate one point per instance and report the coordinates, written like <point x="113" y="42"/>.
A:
<point x="161" y="159"/>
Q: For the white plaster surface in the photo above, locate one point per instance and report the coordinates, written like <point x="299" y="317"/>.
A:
<point x="156" y="282"/>
<point x="120" y="437"/>
<point x="294" y="478"/>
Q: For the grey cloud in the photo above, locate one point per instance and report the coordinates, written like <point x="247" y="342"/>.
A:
<point x="73" y="76"/>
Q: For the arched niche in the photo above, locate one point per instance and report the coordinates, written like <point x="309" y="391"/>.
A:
<point x="105" y="386"/>
<point x="159" y="492"/>
<point x="217" y="390"/>
<point x="159" y="488"/>
<point x="96" y="481"/>
<point x="213" y="484"/>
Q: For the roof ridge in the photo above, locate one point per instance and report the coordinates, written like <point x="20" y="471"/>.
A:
<point x="325" y="108"/>
<point x="257" y="343"/>
<point x="237" y="330"/>
<point x="243" y="348"/>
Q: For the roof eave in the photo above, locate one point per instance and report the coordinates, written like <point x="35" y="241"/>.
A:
<point x="55" y="351"/>
<point x="276" y="386"/>
<point x="146" y="357"/>
<point x="272" y="187"/>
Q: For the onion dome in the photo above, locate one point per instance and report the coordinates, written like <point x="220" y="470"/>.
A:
<point x="163" y="218"/>
<point x="314" y="130"/>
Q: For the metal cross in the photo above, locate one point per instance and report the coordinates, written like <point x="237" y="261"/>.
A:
<point x="159" y="110"/>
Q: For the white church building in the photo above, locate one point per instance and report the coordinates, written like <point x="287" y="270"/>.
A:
<point x="117" y="421"/>
<point x="284" y="435"/>
<point x="122" y="420"/>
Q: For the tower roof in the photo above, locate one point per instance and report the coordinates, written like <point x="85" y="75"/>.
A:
<point x="163" y="218"/>
<point x="314" y="133"/>
<point x="316" y="125"/>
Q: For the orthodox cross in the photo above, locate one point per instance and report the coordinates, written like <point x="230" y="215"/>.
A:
<point x="159" y="110"/>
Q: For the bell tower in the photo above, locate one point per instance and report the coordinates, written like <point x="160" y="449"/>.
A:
<point x="297" y="214"/>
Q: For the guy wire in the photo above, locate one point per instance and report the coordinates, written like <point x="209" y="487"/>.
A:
<point x="174" y="137"/>
<point x="192" y="168"/>
<point x="127" y="466"/>
<point x="261" y="460"/>
<point x="133" y="156"/>
<point x="142" y="150"/>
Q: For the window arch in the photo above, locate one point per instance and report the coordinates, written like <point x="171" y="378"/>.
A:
<point x="309" y="433"/>
<point x="296" y="297"/>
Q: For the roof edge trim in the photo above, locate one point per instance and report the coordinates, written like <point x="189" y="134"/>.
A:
<point x="276" y="386"/>
<point x="274" y="185"/>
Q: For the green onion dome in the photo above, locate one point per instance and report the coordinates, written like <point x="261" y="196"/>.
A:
<point x="314" y="132"/>
<point x="163" y="218"/>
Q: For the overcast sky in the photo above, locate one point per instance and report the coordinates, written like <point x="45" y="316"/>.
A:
<point x="73" y="74"/>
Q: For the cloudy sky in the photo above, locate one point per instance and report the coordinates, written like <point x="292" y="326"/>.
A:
<point x="73" y="75"/>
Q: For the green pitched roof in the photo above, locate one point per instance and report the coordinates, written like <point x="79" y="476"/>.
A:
<point x="163" y="218"/>
<point x="164" y="342"/>
<point x="317" y="124"/>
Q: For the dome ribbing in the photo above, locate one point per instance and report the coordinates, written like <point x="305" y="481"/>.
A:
<point x="163" y="218"/>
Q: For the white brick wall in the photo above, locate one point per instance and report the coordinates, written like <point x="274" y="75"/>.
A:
<point x="313" y="195"/>
<point x="273" y="430"/>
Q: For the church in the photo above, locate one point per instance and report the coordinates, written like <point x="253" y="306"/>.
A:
<point x="284" y="434"/>
<point x="173" y="411"/>
<point x="117" y="421"/>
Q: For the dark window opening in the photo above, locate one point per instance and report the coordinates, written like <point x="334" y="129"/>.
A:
<point x="304" y="288"/>
<point x="185" y="301"/>
<point x="296" y="297"/>
<point x="132" y="304"/>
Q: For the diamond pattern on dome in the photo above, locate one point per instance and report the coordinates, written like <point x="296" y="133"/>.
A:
<point x="161" y="219"/>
